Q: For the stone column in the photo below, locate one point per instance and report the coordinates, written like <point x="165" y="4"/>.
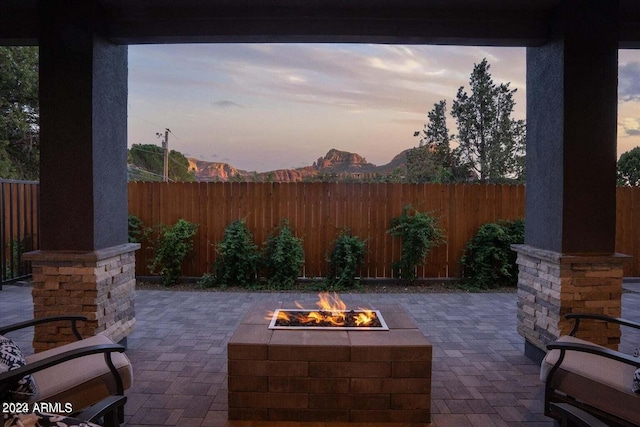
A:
<point x="85" y="265"/>
<point x="98" y="284"/>
<point x="551" y="285"/>
<point x="568" y="262"/>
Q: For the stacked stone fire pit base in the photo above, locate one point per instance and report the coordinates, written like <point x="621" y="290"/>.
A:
<point x="331" y="376"/>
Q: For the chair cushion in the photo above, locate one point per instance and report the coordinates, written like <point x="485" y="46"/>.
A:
<point x="11" y="357"/>
<point x="82" y="381"/>
<point x="597" y="381"/>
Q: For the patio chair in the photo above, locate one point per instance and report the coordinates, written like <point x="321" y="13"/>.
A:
<point x="80" y="374"/>
<point x="595" y="379"/>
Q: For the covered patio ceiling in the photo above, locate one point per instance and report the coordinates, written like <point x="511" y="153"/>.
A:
<point x="466" y="22"/>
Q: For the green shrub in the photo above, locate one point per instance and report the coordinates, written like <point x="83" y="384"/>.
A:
<point x="172" y="245"/>
<point x="237" y="258"/>
<point x="283" y="257"/>
<point x="136" y="229"/>
<point x="420" y="232"/>
<point x="488" y="260"/>
<point x="345" y="261"/>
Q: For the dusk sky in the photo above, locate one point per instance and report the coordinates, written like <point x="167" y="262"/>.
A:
<point x="270" y="106"/>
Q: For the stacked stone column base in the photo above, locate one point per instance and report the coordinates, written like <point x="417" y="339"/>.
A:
<point x="551" y="285"/>
<point x="98" y="284"/>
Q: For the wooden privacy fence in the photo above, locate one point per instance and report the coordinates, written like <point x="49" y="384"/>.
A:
<point x="318" y="212"/>
<point x="628" y="228"/>
<point x="19" y="225"/>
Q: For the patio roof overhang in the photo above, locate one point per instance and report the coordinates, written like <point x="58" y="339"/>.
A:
<point x="460" y="22"/>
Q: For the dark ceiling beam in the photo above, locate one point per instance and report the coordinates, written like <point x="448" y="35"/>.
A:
<point x="629" y="35"/>
<point x="18" y="23"/>
<point x="459" y="22"/>
<point x="321" y="26"/>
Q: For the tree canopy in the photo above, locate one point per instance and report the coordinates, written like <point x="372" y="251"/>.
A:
<point x="629" y="168"/>
<point x="431" y="160"/>
<point x="491" y="142"/>
<point x="19" y="113"/>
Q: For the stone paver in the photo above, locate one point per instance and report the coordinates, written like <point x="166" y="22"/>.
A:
<point x="178" y="350"/>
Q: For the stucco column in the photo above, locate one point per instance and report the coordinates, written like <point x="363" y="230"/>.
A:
<point x="571" y="168"/>
<point x="83" y="176"/>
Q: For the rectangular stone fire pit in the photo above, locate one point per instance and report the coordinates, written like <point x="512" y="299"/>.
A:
<point x="338" y="376"/>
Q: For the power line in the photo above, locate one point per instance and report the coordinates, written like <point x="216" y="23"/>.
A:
<point x="146" y="151"/>
<point x="140" y="169"/>
<point x="172" y="158"/>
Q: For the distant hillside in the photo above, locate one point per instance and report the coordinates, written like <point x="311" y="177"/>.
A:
<point x="145" y="162"/>
<point x="335" y="164"/>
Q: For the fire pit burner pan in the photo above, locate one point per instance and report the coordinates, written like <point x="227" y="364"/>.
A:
<point x="383" y="325"/>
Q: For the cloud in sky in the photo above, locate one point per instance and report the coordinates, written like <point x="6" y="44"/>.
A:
<point x="227" y="104"/>
<point x="300" y="100"/>
<point x="629" y="81"/>
<point x="629" y="126"/>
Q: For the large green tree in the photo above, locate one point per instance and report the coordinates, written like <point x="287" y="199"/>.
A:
<point x="629" y="168"/>
<point x="19" y="131"/>
<point x="146" y="163"/>
<point x="491" y="142"/>
<point x="431" y="161"/>
<point x="435" y="134"/>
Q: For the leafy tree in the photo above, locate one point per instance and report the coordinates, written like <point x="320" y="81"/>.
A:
<point x="396" y="176"/>
<point x="148" y="159"/>
<point x="432" y="159"/>
<point x="421" y="165"/>
<point x="490" y="141"/>
<point x="19" y="112"/>
<point x="629" y="168"/>
<point x="435" y="135"/>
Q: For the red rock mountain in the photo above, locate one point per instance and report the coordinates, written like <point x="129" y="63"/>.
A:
<point x="336" y="163"/>
<point x="342" y="161"/>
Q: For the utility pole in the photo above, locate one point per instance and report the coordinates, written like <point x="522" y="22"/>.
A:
<point x="165" y="149"/>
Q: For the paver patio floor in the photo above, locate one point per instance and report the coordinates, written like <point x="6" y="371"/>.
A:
<point x="178" y="351"/>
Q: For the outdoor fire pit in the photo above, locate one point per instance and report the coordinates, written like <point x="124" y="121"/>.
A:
<point x="323" y="369"/>
<point x="332" y="313"/>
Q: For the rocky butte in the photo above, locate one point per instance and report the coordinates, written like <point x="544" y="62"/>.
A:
<point x="336" y="163"/>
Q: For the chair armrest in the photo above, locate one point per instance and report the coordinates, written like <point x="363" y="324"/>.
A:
<point x="566" y="347"/>
<point x="106" y="349"/>
<point x="106" y="407"/>
<point x="73" y="319"/>
<point x="573" y="416"/>
<point x="592" y="349"/>
<point x="578" y="316"/>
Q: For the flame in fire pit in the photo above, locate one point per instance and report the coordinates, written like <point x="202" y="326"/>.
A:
<point x="332" y="312"/>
